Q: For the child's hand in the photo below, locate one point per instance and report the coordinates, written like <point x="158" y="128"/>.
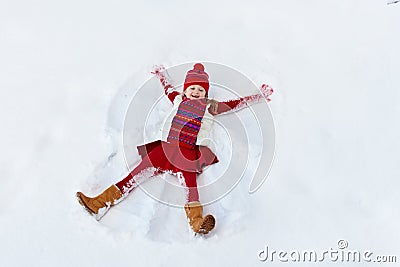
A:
<point x="158" y="70"/>
<point x="266" y="91"/>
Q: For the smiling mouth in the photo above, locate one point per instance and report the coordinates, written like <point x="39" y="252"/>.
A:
<point x="195" y="96"/>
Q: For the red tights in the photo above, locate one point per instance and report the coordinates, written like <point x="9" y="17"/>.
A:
<point x="146" y="170"/>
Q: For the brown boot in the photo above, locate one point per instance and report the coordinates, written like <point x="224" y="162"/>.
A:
<point x="194" y="212"/>
<point x="98" y="206"/>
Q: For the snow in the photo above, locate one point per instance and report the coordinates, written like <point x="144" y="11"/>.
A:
<point x="67" y="71"/>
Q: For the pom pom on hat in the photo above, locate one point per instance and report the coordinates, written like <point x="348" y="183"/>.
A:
<point x="197" y="76"/>
<point x="198" y="67"/>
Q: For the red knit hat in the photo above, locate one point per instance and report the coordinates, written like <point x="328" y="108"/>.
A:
<point x="197" y="76"/>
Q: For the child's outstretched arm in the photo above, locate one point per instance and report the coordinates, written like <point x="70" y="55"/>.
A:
<point x="234" y="105"/>
<point x="160" y="73"/>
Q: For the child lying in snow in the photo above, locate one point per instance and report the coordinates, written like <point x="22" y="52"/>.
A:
<point x="179" y="152"/>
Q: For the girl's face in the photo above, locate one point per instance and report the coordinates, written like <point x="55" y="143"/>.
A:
<point x="195" y="92"/>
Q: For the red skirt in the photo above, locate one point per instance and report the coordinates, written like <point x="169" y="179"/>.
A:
<point x="176" y="158"/>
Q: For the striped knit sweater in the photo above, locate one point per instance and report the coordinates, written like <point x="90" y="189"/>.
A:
<point x="186" y="123"/>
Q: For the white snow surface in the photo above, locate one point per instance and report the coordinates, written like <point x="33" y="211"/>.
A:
<point x="64" y="65"/>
